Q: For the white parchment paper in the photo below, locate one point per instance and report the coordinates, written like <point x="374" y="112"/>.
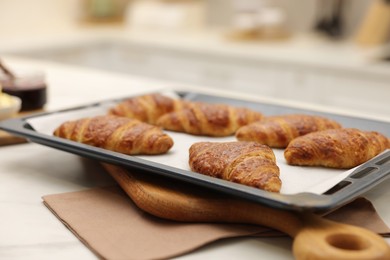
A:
<point x="295" y="179"/>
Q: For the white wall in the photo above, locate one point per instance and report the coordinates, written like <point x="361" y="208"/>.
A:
<point x="24" y="17"/>
<point x="301" y="15"/>
<point x="31" y="17"/>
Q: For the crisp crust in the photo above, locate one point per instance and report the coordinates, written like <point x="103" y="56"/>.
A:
<point x="200" y="118"/>
<point x="120" y="134"/>
<point x="278" y="131"/>
<point x="146" y="108"/>
<point x="335" y="148"/>
<point x="248" y="163"/>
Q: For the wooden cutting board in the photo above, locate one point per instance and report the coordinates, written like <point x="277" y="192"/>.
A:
<point x="9" y="139"/>
<point x="375" y="27"/>
<point x="314" y="237"/>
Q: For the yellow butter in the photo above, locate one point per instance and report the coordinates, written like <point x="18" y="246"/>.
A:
<point x="5" y="100"/>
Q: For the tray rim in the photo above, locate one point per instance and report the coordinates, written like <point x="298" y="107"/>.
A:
<point x="304" y="201"/>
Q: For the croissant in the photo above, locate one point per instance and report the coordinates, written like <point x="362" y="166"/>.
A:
<point x="147" y="108"/>
<point x="119" y="134"/>
<point x="335" y="148"/>
<point x="278" y="131"/>
<point x="248" y="163"/>
<point x="208" y="119"/>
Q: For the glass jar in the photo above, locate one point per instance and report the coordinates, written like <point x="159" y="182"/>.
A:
<point x="29" y="86"/>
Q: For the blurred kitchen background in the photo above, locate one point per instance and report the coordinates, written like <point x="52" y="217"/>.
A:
<point x="332" y="53"/>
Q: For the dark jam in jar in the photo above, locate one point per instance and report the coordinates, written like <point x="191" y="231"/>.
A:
<point x="29" y="87"/>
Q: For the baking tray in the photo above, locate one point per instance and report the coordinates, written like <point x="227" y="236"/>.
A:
<point x="356" y="183"/>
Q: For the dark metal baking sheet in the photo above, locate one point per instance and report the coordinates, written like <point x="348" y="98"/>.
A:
<point x="362" y="179"/>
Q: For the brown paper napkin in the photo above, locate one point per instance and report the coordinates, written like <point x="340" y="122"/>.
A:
<point x="107" y="221"/>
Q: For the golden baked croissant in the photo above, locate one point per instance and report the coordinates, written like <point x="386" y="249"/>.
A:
<point x="336" y="148"/>
<point x="248" y="163"/>
<point x="146" y="108"/>
<point x="208" y="119"/>
<point x="278" y="131"/>
<point x="119" y="134"/>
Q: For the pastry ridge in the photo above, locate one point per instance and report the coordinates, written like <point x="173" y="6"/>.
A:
<point x="119" y="134"/>
<point x="146" y="108"/>
<point x="248" y="163"/>
<point x="336" y="148"/>
<point x="278" y="131"/>
<point x="200" y="118"/>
